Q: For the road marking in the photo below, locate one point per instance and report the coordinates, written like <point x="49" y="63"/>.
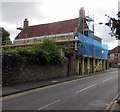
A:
<point x="50" y="86"/>
<point x="49" y="104"/>
<point x="106" y="80"/>
<point x="109" y="79"/>
<point x="85" y="88"/>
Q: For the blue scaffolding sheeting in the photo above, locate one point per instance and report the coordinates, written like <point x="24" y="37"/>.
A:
<point x="90" y="47"/>
<point x="91" y="27"/>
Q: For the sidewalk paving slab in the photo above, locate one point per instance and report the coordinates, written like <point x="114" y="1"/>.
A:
<point x="8" y="90"/>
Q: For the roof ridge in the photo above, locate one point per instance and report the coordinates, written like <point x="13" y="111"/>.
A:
<point x="65" y="26"/>
<point x="116" y="49"/>
<point x="52" y="22"/>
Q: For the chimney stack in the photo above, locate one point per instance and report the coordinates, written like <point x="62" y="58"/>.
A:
<point x="25" y="23"/>
<point x="82" y="25"/>
<point x="82" y="12"/>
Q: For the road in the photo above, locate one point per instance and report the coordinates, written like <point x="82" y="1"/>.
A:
<point x="90" y="93"/>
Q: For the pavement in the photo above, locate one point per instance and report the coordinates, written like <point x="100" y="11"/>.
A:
<point x="8" y="90"/>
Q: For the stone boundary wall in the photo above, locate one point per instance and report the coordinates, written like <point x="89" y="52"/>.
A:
<point x="14" y="72"/>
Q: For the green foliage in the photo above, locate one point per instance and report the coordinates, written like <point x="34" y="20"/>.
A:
<point x="114" y="25"/>
<point x="67" y="51"/>
<point x="19" y="54"/>
<point x="5" y="36"/>
<point x="46" y="53"/>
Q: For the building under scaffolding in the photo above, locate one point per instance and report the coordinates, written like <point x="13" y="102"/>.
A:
<point x="89" y="54"/>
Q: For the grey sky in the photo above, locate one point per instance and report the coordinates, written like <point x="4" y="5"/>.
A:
<point x="119" y="6"/>
<point x="45" y="11"/>
<point x="14" y="11"/>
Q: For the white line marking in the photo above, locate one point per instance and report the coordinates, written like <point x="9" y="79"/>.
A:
<point x="85" y="88"/>
<point x="107" y="79"/>
<point x="48" y="105"/>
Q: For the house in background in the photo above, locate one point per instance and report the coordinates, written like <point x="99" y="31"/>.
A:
<point x="114" y="57"/>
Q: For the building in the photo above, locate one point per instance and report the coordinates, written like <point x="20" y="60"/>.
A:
<point x="62" y="30"/>
<point x="114" y="57"/>
<point x="88" y="55"/>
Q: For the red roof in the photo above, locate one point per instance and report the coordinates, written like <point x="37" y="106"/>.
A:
<point x="60" y="27"/>
<point x="115" y="50"/>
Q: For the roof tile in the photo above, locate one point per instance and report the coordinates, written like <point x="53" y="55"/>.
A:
<point x="66" y="26"/>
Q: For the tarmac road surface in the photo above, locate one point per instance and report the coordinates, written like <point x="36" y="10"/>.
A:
<point x="89" y="93"/>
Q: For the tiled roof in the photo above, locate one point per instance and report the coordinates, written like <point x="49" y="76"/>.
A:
<point x="60" y="27"/>
<point x="115" y="50"/>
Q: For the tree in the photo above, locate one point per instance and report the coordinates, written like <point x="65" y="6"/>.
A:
<point x="114" y="24"/>
<point x="5" y="36"/>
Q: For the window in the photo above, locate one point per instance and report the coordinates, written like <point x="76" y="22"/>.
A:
<point x="116" y="55"/>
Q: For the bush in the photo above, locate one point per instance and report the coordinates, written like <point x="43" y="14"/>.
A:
<point x="18" y="54"/>
<point x="67" y="51"/>
<point x="46" y="53"/>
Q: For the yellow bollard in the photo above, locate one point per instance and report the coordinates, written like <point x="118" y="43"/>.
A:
<point x="83" y="69"/>
<point x="88" y="65"/>
<point x="94" y="66"/>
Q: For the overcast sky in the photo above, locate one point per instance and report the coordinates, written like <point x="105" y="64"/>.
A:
<point x="45" y="11"/>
